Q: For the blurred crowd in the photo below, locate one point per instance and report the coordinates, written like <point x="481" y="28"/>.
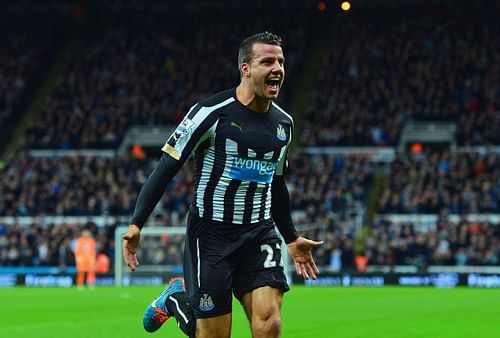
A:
<point x="28" y="40"/>
<point x="49" y="245"/>
<point x="389" y="243"/>
<point x="377" y="74"/>
<point x="116" y="75"/>
<point x="322" y="189"/>
<point x="17" y="65"/>
<point x="448" y="243"/>
<point x="437" y="181"/>
<point x="70" y="185"/>
<point x="322" y="184"/>
<point x="100" y="186"/>
<point x="383" y="71"/>
<point x="43" y="244"/>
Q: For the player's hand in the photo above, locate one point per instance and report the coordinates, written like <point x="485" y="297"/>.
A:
<point x="300" y="251"/>
<point x="130" y="244"/>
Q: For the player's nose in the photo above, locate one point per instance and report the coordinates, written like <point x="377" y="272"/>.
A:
<point x="277" y="70"/>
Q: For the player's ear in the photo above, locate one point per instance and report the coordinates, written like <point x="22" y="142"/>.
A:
<point x="245" y="70"/>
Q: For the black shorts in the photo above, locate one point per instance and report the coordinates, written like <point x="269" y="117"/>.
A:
<point x="222" y="259"/>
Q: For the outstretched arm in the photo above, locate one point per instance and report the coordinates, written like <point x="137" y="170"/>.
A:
<point x="150" y="194"/>
<point x="179" y="145"/>
<point x="298" y="247"/>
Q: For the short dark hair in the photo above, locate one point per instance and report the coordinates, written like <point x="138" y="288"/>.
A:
<point x="246" y="48"/>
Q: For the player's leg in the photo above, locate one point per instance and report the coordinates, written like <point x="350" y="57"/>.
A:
<point x="215" y="327"/>
<point x="260" y="281"/>
<point x="208" y="270"/>
<point x="263" y="309"/>
<point x="91" y="279"/>
<point x="80" y="279"/>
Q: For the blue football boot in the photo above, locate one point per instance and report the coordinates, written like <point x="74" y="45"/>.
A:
<point x="156" y="313"/>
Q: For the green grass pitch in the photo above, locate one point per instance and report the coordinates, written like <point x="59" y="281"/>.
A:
<point x="390" y="312"/>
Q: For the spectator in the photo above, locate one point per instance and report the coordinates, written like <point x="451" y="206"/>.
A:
<point x="386" y="70"/>
<point x="462" y="243"/>
<point x="441" y="181"/>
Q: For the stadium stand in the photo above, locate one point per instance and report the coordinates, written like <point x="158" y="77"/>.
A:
<point x="388" y="69"/>
<point x="117" y="76"/>
<point x="29" y="38"/>
<point x="70" y="186"/>
<point x="436" y="182"/>
<point x="447" y="243"/>
<point x="47" y="244"/>
<point x="378" y="74"/>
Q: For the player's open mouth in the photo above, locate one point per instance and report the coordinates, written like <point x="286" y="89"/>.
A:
<point x="273" y="83"/>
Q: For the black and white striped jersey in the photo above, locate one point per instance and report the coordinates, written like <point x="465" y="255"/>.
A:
<point x="237" y="151"/>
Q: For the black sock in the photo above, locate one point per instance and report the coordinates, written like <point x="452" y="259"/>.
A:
<point x="178" y="306"/>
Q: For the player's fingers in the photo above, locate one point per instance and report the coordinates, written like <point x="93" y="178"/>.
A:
<point x="297" y="268"/>
<point x="130" y="264"/>
<point x="315" y="267"/>
<point x="312" y="271"/>
<point x="125" y="251"/>
<point x="308" y="269"/>
<point x="129" y="256"/>
<point x="304" y="272"/>
<point x="125" y="244"/>
<point x="132" y="261"/>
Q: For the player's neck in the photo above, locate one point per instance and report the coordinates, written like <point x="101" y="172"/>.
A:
<point x="247" y="97"/>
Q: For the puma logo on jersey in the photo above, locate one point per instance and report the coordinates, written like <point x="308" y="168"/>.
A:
<point x="236" y="125"/>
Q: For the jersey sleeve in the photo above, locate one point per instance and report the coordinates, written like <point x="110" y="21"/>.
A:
<point x="191" y="131"/>
<point x="281" y="211"/>
<point x="283" y="162"/>
<point x="153" y="189"/>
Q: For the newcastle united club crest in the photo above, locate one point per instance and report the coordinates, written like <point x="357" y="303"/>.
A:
<point x="206" y="302"/>
<point x="280" y="133"/>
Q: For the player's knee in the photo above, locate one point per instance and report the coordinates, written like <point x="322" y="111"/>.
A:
<point x="266" y="327"/>
<point x="274" y="326"/>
